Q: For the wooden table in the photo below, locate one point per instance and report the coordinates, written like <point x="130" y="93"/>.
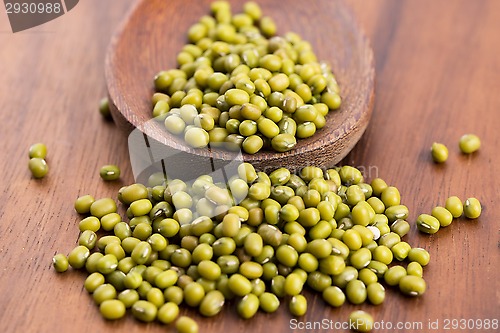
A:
<point x="437" y="65"/>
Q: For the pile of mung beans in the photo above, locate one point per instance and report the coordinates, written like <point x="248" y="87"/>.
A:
<point x="258" y="240"/>
<point x="239" y="86"/>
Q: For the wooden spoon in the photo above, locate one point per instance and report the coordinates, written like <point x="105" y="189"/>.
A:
<point x="155" y="31"/>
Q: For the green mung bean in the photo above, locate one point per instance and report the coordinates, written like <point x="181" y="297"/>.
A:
<point x="439" y="152"/>
<point x="186" y="325"/>
<point x="38" y="167"/>
<point x="60" y="263"/>
<point x="472" y="208"/>
<point x="455" y="206"/>
<point x="38" y="150"/>
<point x="469" y="143"/>
<point x="361" y="321"/>
<point x="109" y="172"/>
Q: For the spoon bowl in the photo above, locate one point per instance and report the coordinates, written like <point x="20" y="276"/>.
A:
<point x="155" y="31"/>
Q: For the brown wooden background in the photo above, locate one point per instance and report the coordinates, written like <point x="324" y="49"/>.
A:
<point x="437" y="65"/>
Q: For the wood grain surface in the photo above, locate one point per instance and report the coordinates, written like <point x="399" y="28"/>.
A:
<point x="347" y="51"/>
<point x="437" y="70"/>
